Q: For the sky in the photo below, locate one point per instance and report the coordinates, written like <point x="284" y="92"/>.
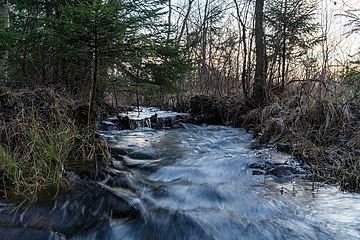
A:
<point x="345" y="44"/>
<point x="330" y="15"/>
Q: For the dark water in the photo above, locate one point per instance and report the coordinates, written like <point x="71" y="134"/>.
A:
<point x="194" y="182"/>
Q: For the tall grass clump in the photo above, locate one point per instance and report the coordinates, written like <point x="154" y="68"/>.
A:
<point x="319" y="127"/>
<point x="39" y="136"/>
<point x="33" y="155"/>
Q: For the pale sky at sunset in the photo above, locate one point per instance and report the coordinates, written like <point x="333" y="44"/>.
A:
<point x="342" y="43"/>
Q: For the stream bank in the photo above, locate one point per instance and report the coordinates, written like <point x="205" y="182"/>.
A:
<point x="323" y="134"/>
<point x="41" y="130"/>
<point x="186" y="182"/>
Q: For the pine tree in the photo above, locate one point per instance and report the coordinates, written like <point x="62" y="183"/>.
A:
<point x="92" y="47"/>
<point x="292" y="31"/>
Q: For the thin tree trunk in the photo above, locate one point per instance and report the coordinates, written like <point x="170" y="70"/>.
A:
<point x="94" y="77"/>
<point x="204" y="73"/>
<point x="284" y="48"/>
<point x="273" y="65"/>
<point x="249" y="68"/>
<point x="4" y="23"/>
<point x="169" y="21"/>
<point x="185" y="20"/>
<point x="138" y="102"/>
<point x="114" y="88"/>
<point x="242" y="32"/>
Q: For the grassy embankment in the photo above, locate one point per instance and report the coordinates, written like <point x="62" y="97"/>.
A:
<point x="39" y="133"/>
<point x="322" y="131"/>
<point x="318" y="126"/>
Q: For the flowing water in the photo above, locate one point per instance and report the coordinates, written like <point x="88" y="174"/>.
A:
<point x="198" y="185"/>
<point x="195" y="182"/>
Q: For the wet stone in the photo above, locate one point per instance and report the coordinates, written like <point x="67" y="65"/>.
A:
<point x="276" y="169"/>
<point x="106" y="126"/>
<point x="119" y="151"/>
<point x="285" y="147"/>
<point x="118" y="163"/>
<point x="142" y="155"/>
<point x="281" y="171"/>
<point x="257" y="172"/>
<point x="256" y="165"/>
<point x="124" y="122"/>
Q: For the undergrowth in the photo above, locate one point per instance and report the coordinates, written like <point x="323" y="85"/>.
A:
<point x="38" y="136"/>
<point x="322" y="131"/>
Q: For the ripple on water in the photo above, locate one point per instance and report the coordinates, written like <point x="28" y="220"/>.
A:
<point x="200" y="186"/>
<point x="209" y="183"/>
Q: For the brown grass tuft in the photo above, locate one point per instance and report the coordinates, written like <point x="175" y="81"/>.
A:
<point x="38" y="135"/>
<point x="325" y="133"/>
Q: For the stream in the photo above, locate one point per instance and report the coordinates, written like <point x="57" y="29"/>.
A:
<point x="208" y="182"/>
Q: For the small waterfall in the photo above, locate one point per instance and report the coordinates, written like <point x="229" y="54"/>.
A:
<point x="147" y="122"/>
<point x="149" y="118"/>
<point x="143" y="123"/>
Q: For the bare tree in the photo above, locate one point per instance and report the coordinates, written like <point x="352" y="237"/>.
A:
<point x="186" y="18"/>
<point x="244" y="38"/>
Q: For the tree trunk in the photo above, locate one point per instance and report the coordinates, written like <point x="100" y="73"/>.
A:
<point x="259" y="97"/>
<point x="185" y="20"/>
<point x="284" y="48"/>
<point x="242" y="33"/>
<point x="203" y="71"/>
<point x="94" y="78"/>
<point x="169" y="21"/>
<point x="4" y="24"/>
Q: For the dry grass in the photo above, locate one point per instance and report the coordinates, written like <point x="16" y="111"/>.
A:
<point x="38" y="135"/>
<point x="323" y="131"/>
<point x="319" y="126"/>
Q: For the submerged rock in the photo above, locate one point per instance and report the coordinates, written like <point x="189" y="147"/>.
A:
<point x="142" y="155"/>
<point x="10" y="233"/>
<point x="106" y="126"/>
<point x="124" y="122"/>
<point x="278" y="170"/>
